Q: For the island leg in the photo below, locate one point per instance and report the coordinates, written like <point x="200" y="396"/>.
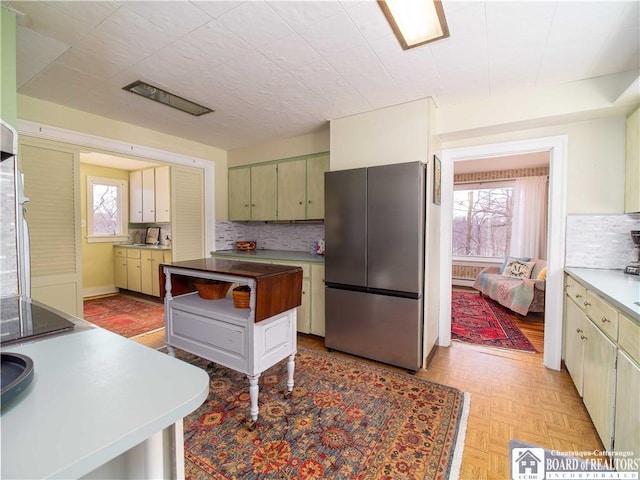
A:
<point x="291" y="366"/>
<point x="167" y="301"/>
<point x="254" y="390"/>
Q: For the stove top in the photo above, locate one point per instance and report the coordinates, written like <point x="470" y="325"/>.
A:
<point x="23" y="319"/>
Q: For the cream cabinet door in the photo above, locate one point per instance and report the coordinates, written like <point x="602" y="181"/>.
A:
<point x="150" y="261"/>
<point x="574" y="337"/>
<point x="599" y="381"/>
<point x="317" y="300"/>
<point x="627" y="423"/>
<point x="135" y="196"/>
<point x="134" y="275"/>
<point x="163" y="194"/>
<point x="52" y="183"/>
<point x="148" y="195"/>
<point x="316" y="167"/>
<point x="304" y="323"/>
<point x="120" y="267"/>
<point x="292" y="190"/>
<point x="263" y="192"/>
<point x="240" y="194"/>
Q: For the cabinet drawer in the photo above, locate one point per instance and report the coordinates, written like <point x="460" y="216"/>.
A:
<point x="133" y="253"/>
<point x="120" y="252"/>
<point x="575" y="291"/>
<point x="215" y="340"/>
<point x="602" y="314"/>
<point x="629" y="336"/>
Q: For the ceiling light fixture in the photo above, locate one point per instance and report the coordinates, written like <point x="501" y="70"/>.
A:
<point x="162" y="96"/>
<point x="415" y="22"/>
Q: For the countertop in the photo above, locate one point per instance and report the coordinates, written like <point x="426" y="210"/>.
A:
<point x="142" y="246"/>
<point x="94" y="395"/>
<point x="233" y="267"/>
<point x="619" y="289"/>
<point x="272" y="255"/>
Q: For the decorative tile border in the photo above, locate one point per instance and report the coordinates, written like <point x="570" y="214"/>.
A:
<point x="500" y="174"/>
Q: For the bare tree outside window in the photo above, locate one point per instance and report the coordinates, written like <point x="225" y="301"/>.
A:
<point x="106" y="219"/>
<point x="482" y="222"/>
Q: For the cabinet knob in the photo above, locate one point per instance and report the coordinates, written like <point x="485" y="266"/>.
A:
<point x="309" y="201"/>
<point x="253" y="204"/>
<point x="299" y="203"/>
<point x="605" y="320"/>
<point x="587" y="304"/>
<point x="582" y="337"/>
<point x="579" y="330"/>
<point x="578" y="295"/>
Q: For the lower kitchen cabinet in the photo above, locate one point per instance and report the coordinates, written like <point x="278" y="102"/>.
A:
<point x="600" y="350"/>
<point x="627" y="419"/>
<point x="137" y="269"/>
<point x="120" y="267"/>
<point x="310" y="314"/>
<point x="599" y="381"/>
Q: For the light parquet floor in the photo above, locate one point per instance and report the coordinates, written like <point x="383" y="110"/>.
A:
<point x="513" y="396"/>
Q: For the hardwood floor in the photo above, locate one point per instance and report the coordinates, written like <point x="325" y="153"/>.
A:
<point x="513" y="396"/>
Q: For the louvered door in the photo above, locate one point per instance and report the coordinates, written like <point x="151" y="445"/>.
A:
<point x="52" y="183"/>
<point x="187" y="213"/>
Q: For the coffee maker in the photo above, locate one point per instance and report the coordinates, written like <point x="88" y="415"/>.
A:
<point x="634" y="267"/>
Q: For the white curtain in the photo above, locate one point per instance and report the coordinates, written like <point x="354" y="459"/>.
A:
<point x="529" y="218"/>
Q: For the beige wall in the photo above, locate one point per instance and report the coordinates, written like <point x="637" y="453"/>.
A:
<point x="595" y="165"/>
<point x="394" y="134"/>
<point x="58" y="116"/>
<point x="317" y="142"/>
<point x="97" y="258"/>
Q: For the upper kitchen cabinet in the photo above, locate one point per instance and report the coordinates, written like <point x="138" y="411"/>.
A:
<point x="291" y="189"/>
<point x="632" y="170"/>
<point x="263" y="192"/>
<point x="149" y="195"/>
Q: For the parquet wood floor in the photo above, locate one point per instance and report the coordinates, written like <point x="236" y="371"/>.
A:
<point x="513" y="396"/>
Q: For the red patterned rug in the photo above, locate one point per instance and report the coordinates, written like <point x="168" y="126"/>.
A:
<point x="345" y="420"/>
<point x="124" y="315"/>
<point x="482" y="321"/>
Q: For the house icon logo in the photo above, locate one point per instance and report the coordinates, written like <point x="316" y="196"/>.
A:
<point x="527" y="464"/>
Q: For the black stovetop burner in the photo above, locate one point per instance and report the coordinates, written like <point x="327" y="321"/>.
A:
<point x="21" y="319"/>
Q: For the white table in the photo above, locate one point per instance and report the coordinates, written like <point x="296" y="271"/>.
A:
<point x="244" y="340"/>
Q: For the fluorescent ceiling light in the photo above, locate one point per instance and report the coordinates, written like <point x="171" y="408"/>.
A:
<point x="415" y="22"/>
<point x="162" y="96"/>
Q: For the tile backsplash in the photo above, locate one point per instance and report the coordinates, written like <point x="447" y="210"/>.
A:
<point x="296" y="237"/>
<point x="600" y="241"/>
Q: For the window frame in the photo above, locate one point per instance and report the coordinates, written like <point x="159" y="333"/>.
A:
<point x="482" y="185"/>
<point x="123" y="209"/>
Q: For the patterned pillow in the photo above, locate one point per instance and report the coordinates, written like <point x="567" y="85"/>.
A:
<point x="517" y="268"/>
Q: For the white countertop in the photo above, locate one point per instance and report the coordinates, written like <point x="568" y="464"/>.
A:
<point x="94" y="395"/>
<point x="272" y="255"/>
<point x="620" y="289"/>
<point x="142" y="246"/>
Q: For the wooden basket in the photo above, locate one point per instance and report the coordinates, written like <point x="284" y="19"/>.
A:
<point x="211" y="289"/>
<point x="241" y="296"/>
<point x="246" y="245"/>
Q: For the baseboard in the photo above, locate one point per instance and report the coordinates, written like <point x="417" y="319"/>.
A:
<point x="98" y="291"/>
<point x="461" y="282"/>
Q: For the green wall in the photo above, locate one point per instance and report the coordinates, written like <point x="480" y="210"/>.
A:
<point x="8" y="96"/>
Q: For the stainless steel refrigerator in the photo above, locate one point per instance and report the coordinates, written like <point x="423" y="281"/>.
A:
<point x="375" y="241"/>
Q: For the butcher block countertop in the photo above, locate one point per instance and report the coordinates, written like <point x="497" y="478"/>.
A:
<point x="278" y="288"/>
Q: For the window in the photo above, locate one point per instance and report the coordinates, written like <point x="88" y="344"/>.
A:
<point x="107" y="209"/>
<point x="482" y="220"/>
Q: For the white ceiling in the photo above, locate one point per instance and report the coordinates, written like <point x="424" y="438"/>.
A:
<point x="276" y="69"/>
<point x="506" y="162"/>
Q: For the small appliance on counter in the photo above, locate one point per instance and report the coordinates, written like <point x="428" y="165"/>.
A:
<point x="634" y="266"/>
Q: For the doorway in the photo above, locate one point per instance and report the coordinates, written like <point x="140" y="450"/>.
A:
<point x="557" y="148"/>
<point x="500" y="210"/>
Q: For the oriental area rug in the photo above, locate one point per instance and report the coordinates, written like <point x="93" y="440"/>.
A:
<point x="482" y="321"/>
<point x="124" y="315"/>
<point x="345" y="420"/>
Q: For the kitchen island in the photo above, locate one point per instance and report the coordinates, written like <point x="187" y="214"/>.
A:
<point x="99" y="406"/>
<point x="248" y="340"/>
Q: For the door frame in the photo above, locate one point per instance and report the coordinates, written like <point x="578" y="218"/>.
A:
<point x="554" y="292"/>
